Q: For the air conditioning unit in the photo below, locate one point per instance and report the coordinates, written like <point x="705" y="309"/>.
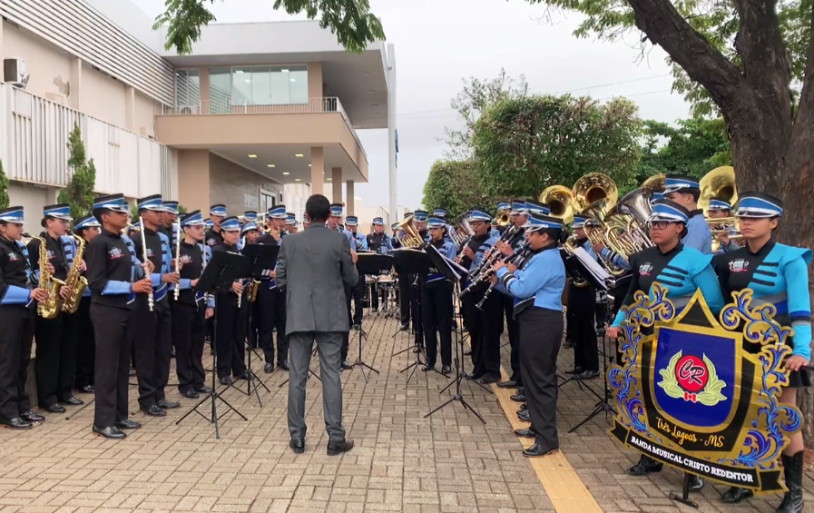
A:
<point x="189" y="109"/>
<point x="14" y="71"/>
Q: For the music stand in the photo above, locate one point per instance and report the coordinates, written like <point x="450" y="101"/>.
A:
<point x="223" y="270"/>
<point x="412" y="261"/>
<point x="368" y="263"/>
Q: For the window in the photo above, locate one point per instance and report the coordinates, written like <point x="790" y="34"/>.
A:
<point x="220" y="90"/>
<point x="187" y="88"/>
<point x="266" y="201"/>
<point x="257" y="85"/>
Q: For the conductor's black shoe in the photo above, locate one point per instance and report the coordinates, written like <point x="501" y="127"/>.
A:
<point x="589" y="374"/>
<point x="268" y="368"/>
<point x="154" y="411"/>
<point x="283" y="364"/>
<point x="109" y="432"/>
<point x="128" y="424"/>
<point x="523" y="407"/>
<point x="524" y="416"/>
<point x="735" y="495"/>
<point x="525" y="433"/>
<point x="203" y="389"/>
<point x="428" y="368"/>
<point x="346" y="365"/>
<point x="644" y="466"/>
<point x="575" y="370"/>
<point x="190" y="394"/>
<point x="696" y="483"/>
<point x="335" y="448"/>
<point x="508" y="384"/>
<point x="488" y="380"/>
<point x="518" y="398"/>
<point x="87" y="389"/>
<point x="72" y="401"/>
<point x="16" y="423"/>
<point x="537" y="450"/>
<point x="446" y="369"/>
<point x="297" y="445"/>
<point x="168" y="405"/>
<point x="404" y="327"/>
<point x="30" y="416"/>
<point x="54" y="408"/>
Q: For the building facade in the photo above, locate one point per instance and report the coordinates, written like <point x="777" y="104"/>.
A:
<point x="259" y="114"/>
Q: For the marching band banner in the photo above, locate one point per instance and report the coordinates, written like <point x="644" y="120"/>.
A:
<point x="690" y="395"/>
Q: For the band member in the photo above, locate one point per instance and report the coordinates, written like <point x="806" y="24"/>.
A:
<point x="378" y="242"/>
<point x="55" y="362"/>
<point x="538" y="288"/>
<point x="88" y="228"/>
<point x="334" y="223"/>
<point x="484" y="325"/>
<point x="358" y="292"/>
<point x="188" y="326"/>
<point x="420" y="219"/>
<point x="436" y="302"/>
<point x="291" y="223"/>
<point x="394" y="236"/>
<point x="168" y="219"/>
<point x="719" y="209"/>
<point x="778" y="275"/>
<point x="154" y="328"/>
<point x="213" y="234"/>
<point x="405" y="283"/>
<point x="251" y="234"/>
<point x="271" y="299"/>
<point x="231" y="320"/>
<point x="681" y="269"/>
<point x="115" y="276"/>
<point x="685" y="191"/>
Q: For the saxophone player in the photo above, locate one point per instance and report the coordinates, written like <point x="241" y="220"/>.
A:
<point x="271" y="299"/>
<point x="17" y="311"/>
<point x="88" y="228"/>
<point x="55" y="349"/>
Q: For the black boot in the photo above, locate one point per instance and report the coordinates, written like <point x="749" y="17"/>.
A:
<point x="793" y="471"/>
<point x="735" y="495"/>
<point x="645" y="466"/>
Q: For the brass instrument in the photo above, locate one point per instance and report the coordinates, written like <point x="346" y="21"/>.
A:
<point x="463" y="231"/>
<point x="720" y="184"/>
<point x="408" y="234"/>
<point x="50" y="308"/>
<point x="253" y="291"/>
<point x="502" y="219"/>
<point x="655" y="183"/>
<point x="595" y="187"/>
<point x="75" y="281"/>
<point x="560" y="200"/>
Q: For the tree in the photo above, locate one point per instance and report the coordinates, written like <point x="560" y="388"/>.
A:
<point x="4" y="199"/>
<point x="476" y="96"/>
<point x="525" y="144"/>
<point x="755" y="62"/>
<point x="79" y="191"/>
<point x="350" y="20"/>
<point x="452" y="185"/>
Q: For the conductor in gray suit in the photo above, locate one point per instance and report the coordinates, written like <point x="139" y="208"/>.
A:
<point x="314" y="266"/>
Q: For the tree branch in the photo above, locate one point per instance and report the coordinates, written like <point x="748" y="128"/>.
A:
<point x="802" y="133"/>
<point x="664" y="26"/>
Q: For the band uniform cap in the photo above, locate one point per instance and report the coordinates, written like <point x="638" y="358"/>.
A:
<point x="421" y="215"/>
<point x="12" y="215"/>
<point x="503" y="205"/>
<point x="136" y="227"/>
<point x="673" y="183"/>
<point x="479" y="214"/>
<point x="290" y="218"/>
<point x="249" y="227"/>
<point x="209" y="223"/>
<point x="435" y="222"/>
<point x="151" y="202"/>
<point x="406" y="215"/>
<point x="591" y="222"/>
<point x="193" y="219"/>
<point x="378" y="221"/>
<point x="579" y="222"/>
<point x="759" y="204"/>
<point x="60" y="211"/>
<point x="171" y="207"/>
<point x="86" y="222"/>
<point x="113" y="202"/>
<point x="716" y="204"/>
<point x="666" y="210"/>
<point x="218" y="210"/>
<point x="656" y="196"/>
<point x="439" y="212"/>
<point x="536" y="223"/>
<point x="336" y="209"/>
<point x="352" y="221"/>
<point x="277" y="212"/>
<point x="518" y="207"/>
<point x="536" y="208"/>
<point x="394" y="226"/>
<point x="250" y="215"/>
<point x="230" y="224"/>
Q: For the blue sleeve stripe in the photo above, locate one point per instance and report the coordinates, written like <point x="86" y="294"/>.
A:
<point x="15" y="296"/>
<point x="802" y="315"/>
<point x="155" y="278"/>
<point x="114" y="288"/>
<point x="186" y="284"/>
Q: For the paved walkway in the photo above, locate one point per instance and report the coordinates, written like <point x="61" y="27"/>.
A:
<point x="449" y="462"/>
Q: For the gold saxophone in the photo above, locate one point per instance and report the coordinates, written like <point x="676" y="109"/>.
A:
<point x="50" y="308"/>
<point x="75" y="281"/>
<point x="253" y="291"/>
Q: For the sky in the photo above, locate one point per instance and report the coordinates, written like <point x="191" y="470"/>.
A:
<point x="439" y="43"/>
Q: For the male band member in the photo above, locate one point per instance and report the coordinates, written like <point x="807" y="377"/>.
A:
<point x="291" y="223"/>
<point x="168" y="219"/>
<point x="154" y="329"/>
<point x="719" y="209"/>
<point x="250" y="234"/>
<point x="213" y="234"/>
<point x="334" y="223"/>
<point x="685" y="191"/>
<point x="115" y="275"/>
<point x="358" y="292"/>
<point x="188" y="326"/>
<point x="231" y="320"/>
<point x="315" y="268"/>
<point x="88" y="228"/>
<point x="271" y="299"/>
<point x="405" y="283"/>
<point x="17" y="311"/>
<point x="56" y="349"/>
<point x="378" y="242"/>
<point x="436" y="302"/>
<point x="416" y="284"/>
<point x="581" y="314"/>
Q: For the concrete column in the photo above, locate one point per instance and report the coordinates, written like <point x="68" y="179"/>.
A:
<point x="391" y="129"/>
<point x="193" y="180"/>
<point x="336" y="180"/>
<point x="130" y="108"/>
<point x="349" y="190"/>
<point x="317" y="170"/>
<point x="204" y="81"/>
<point x="75" y="94"/>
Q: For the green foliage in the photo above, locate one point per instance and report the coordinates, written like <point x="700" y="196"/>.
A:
<point x="350" y="20"/>
<point x="182" y="209"/>
<point x="523" y="145"/>
<point x="79" y="191"/>
<point x="452" y="185"/>
<point x="4" y="199"/>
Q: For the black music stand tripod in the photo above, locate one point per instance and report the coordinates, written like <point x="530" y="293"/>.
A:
<point x="219" y="274"/>
<point x="411" y="261"/>
<point x="368" y="263"/>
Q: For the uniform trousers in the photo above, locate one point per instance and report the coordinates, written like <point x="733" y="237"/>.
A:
<point x="230" y="335"/>
<point x="358" y="293"/>
<point x="581" y="310"/>
<point x="153" y="349"/>
<point x="436" y="308"/>
<point x="405" y="290"/>
<point x="374" y="296"/>
<point x="253" y="326"/>
<point x="16" y="336"/>
<point x="513" y="327"/>
<point x="272" y="307"/>
<point x="346" y="334"/>
<point x="484" y="331"/>
<point x="55" y="358"/>
<point x="111" y="375"/>
<point x="188" y="332"/>
<point x="85" y="345"/>
<point x="540" y="338"/>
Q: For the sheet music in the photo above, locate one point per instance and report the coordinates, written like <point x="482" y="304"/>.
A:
<point x="592" y="265"/>
<point x="460" y="271"/>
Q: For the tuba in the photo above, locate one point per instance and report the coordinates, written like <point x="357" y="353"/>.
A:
<point x="719" y="184"/>
<point x="50" y="308"/>
<point x="502" y="219"/>
<point x="595" y="187"/>
<point x="75" y="281"/>
<point x="560" y="200"/>
<point x="408" y="234"/>
<point x="462" y="230"/>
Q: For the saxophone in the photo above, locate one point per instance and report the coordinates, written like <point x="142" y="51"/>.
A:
<point x="75" y="281"/>
<point x="48" y="309"/>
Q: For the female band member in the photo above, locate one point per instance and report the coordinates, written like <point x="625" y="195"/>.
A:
<point x="436" y="302"/>
<point x="778" y="275"/>
<point x="538" y="289"/>
<point x="682" y="270"/>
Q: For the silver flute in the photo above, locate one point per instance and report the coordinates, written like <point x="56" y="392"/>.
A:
<point x="178" y="257"/>
<point x="144" y="247"/>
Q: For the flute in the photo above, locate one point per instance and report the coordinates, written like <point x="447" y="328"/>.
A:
<point x="144" y="247"/>
<point x="178" y="257"/>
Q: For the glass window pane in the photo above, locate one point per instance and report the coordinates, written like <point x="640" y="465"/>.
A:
<point x="220" y="90"/>
<point x="298" y="86"/>
<point x="194" y="86"/>
<point x="242" y="86"/>
<point x="279" y="86"/>
<point x="261" y="93"/>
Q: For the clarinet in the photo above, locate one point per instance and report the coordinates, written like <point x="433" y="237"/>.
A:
<point x="144" y="247"/>
<point x="178" y="257"/>
<point x="518" y="259"/>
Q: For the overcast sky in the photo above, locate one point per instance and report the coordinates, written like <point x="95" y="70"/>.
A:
<point x="440" y="42"/>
